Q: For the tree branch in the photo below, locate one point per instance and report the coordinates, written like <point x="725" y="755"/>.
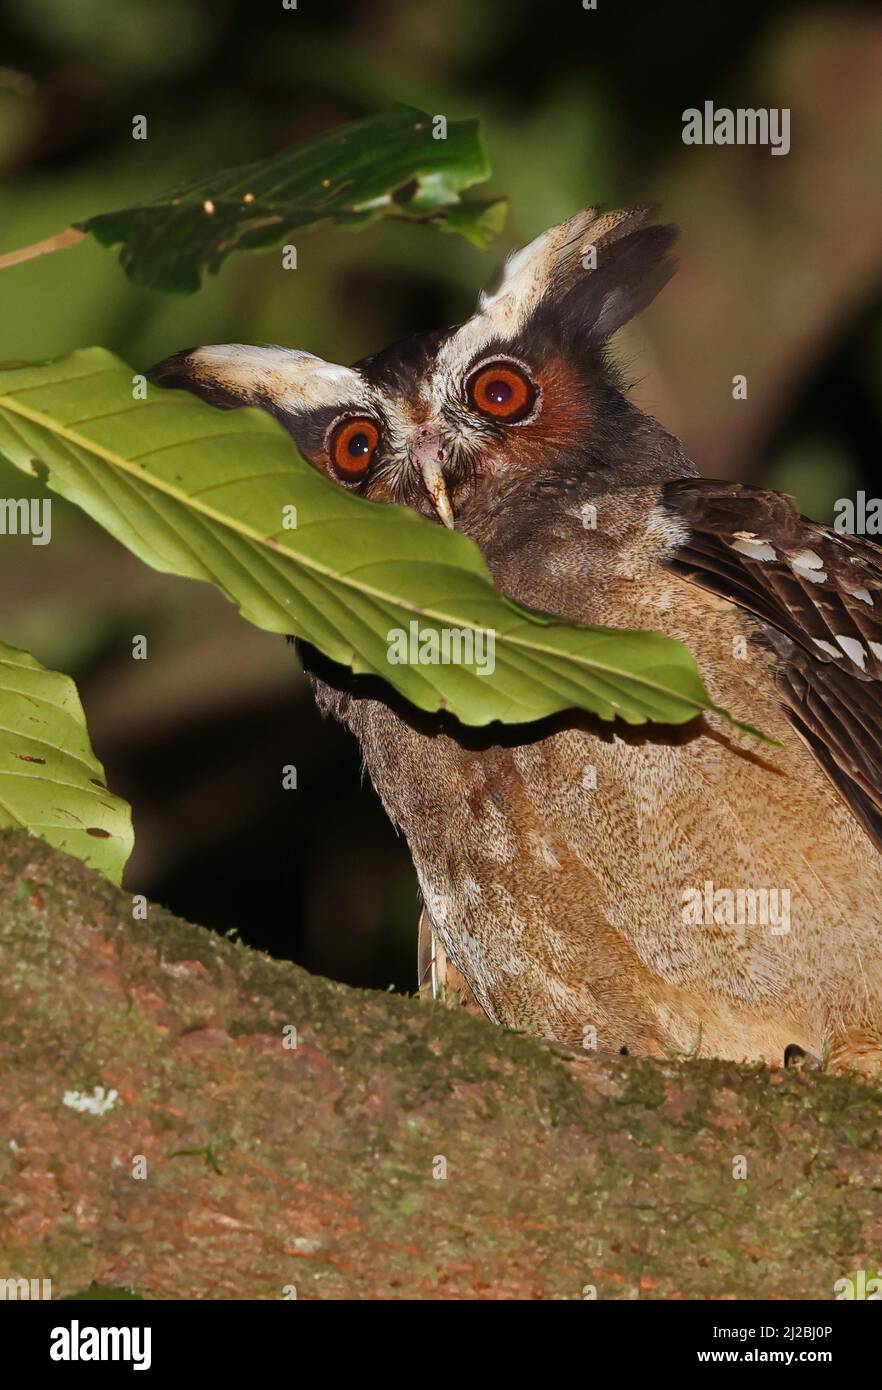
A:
<point x="314" y="1167"/>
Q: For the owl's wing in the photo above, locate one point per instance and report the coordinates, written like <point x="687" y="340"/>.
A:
<point x="819" y="597"/>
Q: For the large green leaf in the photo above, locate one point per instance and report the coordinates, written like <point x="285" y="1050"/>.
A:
<point x="51" y="783"/>
<point x="388" y="165"/>
<point x="199" y="492"/>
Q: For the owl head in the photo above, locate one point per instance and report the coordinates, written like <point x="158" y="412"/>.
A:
<point x="520" y="386"/>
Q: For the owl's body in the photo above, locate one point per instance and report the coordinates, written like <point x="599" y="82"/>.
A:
<point x="660" y="890"/>
<point x="556" y="868"/>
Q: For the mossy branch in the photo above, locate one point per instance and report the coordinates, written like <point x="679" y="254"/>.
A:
<point x="398" y="1150"/>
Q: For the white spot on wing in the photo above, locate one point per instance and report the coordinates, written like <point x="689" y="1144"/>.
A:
<point x="806" y="564"/>
<point x="754" y="549"/>
<point x="863" y="594"/>
<point x="826" y="647"/>
<point x="853" y="650"/>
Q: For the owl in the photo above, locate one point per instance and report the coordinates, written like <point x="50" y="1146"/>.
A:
<point x="664" y="890"/>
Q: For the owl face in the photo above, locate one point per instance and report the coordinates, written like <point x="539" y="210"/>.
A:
<point x="519" y="386"/>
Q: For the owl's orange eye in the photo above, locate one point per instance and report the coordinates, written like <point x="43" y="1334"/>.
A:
<point x="501" y="391"/>
<point x="352" y="445"/>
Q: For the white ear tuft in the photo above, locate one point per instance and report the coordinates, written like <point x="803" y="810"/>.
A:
<point x="239" y="374"/>
<point x="574" y="256"/>
<point x="549" y="266"/>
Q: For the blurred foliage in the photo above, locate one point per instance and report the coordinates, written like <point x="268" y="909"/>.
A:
<point x="391" y="164"/>
<point x="780" y="276"/>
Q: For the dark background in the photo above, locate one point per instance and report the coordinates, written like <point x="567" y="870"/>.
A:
<point x="781" y="268"/>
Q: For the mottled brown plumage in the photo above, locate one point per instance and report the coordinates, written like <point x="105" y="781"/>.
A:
<point x="592" y="883"/>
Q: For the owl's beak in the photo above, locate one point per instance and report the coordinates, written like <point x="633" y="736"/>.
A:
<point x="427" y="453"/>
<point x="436" y="487"/>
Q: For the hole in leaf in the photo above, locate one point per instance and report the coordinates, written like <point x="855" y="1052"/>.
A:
<point x="406" y="192"/>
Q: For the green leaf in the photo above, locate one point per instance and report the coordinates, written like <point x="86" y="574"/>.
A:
<point x="203" y="493"/>
<point x="51" y="783"/>
<point x="387" y="165"/>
